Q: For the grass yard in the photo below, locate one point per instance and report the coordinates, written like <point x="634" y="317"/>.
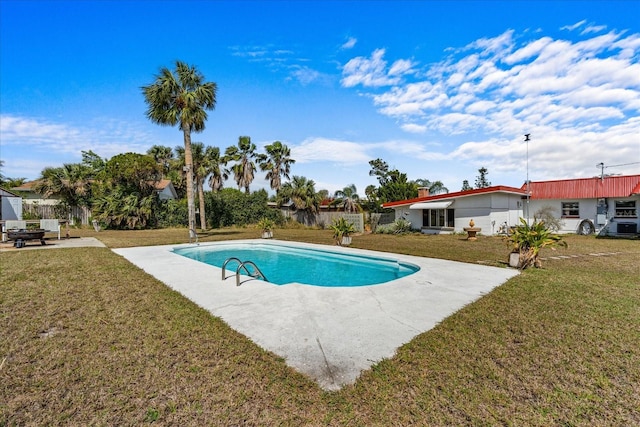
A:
<point x="86" y="338"/>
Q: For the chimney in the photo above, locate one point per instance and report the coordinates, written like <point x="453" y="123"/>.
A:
<point x="423" y="192"/>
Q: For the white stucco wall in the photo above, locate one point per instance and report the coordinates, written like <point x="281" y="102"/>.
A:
<point x="488" y="212"/>
<point x="588" y="210"/>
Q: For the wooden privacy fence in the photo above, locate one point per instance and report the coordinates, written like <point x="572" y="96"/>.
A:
<point x="75" y="214"/>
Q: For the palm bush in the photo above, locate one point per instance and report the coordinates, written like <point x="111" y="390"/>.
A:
<point x="342" y="229"/>
<point x="527" y="240"/>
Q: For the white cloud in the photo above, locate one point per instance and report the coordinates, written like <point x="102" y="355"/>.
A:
<point x="493" y="45"/>
<point x="528" y="51"/>
<point x="306" y="75"/>
<point x="373" y="72"/>
<point x="106" y="137"/>
<point x="400" y="67"/>
<point x="594" y="29"/>
<point x="350" y="43"/>
<point x="414" y="128"/>
<point x="330" y="150"/>
<point x="497" y="86"/>
<point x="574" y="26"/>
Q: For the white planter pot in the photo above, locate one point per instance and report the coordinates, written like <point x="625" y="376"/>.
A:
<point x="346" y="240"/>
<point x="267" y="234"/>
<point x="514" y="259"/>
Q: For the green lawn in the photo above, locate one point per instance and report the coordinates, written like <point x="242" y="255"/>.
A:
<point x="86" y="338"/>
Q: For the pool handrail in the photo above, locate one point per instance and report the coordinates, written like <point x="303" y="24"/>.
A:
<point x="243" y="265"/>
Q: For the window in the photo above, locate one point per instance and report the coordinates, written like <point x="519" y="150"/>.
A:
<point x="438" y="218"/>
<point x="626" y="209"/>
<point x="570" y="209"/>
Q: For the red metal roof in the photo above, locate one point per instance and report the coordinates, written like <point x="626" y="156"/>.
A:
<point x="457" y="194"/>
<point x="585" y="188"/>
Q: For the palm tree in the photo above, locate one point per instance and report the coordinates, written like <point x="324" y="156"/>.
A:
<point x="244" y="168"/>
<point x="200" y="175"/>
<point x="348" y="196"/>
<point x="435" y="187"/>
<point x="277" y="163"/>
<point x="163" y="157"/>
<point x="217" y="172"/>
<point x="181" y="97"/>
<point x="71" y="183"/>
<point x="302" y="193"/>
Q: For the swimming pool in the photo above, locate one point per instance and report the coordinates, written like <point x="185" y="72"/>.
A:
<point x="282" y="264"/>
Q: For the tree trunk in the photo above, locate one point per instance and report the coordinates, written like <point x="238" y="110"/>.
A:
<point x="188" y="161"/>
<point x="203" y="217"/>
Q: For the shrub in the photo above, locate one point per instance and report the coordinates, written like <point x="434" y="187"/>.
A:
<point x="173" y="213"/>
<point x="234" y="207"/>
<point x="528" y="240"/>
<point x="399" y="226"/>
<point x="547" y="215"/>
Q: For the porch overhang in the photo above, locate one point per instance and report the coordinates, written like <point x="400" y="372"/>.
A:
<point x="432" y="205"/>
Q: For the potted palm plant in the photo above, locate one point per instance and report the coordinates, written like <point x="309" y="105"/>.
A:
<point x="342" y="231"/>
<point x="526" y="241"/>
<point x="266" y="225"/>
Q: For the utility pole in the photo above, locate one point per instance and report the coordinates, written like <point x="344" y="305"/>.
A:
<point x="527" y="139"/>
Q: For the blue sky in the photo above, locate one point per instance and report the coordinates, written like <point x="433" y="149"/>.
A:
<point x="436" y="89"/>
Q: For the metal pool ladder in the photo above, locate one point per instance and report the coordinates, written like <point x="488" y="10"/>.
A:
<point x="243" y="265"/>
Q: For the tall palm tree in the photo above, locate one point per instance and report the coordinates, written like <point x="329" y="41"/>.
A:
<point x="181" y="97"/>
<point x="200" y="173"/>
<point x="244" y="168"/>
<point x="215" y="165"/>
<point x="277" y="163"/>
<point x="348" y="196"/>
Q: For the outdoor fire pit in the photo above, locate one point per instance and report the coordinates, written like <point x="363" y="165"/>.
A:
<point x="20" y="237"/>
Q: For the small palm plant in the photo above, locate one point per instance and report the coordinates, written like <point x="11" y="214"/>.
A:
<point x="342" y="230"/>
<point x="527" y="241"/>
<point x="266" y="225"/>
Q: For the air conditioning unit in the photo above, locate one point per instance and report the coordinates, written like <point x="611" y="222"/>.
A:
<point x="627" y="228"/>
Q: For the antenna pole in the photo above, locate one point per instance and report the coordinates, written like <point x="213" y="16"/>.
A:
<point x="601" y="165"/>
<point x="527" y="139"/>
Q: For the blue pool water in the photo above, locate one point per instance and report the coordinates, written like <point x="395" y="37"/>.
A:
<point x="283" y="264"/>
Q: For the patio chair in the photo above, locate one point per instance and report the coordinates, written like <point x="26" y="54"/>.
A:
<point x="50" y="226"/>
<point x="12" y="224"/>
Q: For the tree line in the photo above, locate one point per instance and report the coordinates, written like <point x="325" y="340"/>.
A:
<point x="121" y="191"/>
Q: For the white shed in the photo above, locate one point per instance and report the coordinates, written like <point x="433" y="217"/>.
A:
<point x="11" y="206"/>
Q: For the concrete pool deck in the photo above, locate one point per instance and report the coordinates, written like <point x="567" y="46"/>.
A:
<point x="329" y="334"/>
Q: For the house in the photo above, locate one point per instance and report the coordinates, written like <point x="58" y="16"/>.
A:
<point x="10" y="206"/>
<point x="489" y="207"/>
<point x="31" y="197"/>
<point x="607" y="205"/>
<point x="166" y="190"/>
